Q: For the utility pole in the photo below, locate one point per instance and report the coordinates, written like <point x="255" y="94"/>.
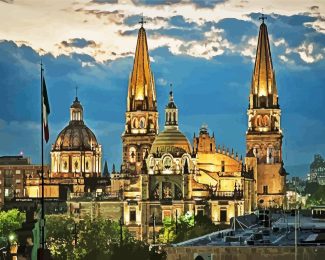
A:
<point x="154" y="228"/>
<point x="121" y="231"/>
<point x="176" y="223"/>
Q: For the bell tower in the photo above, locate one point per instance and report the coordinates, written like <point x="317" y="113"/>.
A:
<point x="141" y="117"/>
<point x="264" y="134"/>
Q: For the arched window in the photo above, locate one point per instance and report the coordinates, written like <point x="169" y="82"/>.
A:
<point x="135" y="123"/>
<point x="142" y="122"/>
<point x="132" y="154"/>
<point x="210" y="147"/>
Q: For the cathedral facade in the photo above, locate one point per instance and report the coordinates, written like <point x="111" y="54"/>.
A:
<point x="163" y="174"/>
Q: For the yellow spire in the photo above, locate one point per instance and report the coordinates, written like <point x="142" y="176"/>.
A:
<point x="263" y="89"/>
<point x="141" y="92"/>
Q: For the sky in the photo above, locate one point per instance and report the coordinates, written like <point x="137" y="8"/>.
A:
<point x="205" y="48"/>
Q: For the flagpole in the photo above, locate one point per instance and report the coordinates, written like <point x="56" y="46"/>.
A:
<point x="42" y="151"/>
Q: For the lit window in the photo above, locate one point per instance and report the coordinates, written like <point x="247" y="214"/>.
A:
<point x="18" y="181"/>
<point x="18" y="171"/>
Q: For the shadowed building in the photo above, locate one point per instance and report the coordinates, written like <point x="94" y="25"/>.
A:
<point x="264" y="134"/>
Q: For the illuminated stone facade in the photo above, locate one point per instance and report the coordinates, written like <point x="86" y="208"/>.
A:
<point x="76" y="152"/>
<point x="264" y="134"/>
<point x="141" y="117"/>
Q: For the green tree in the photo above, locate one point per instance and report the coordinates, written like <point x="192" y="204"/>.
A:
<point x="9" y="221"/>
<point x="188" y="227"/>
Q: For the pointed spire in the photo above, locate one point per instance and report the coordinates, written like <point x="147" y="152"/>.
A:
<point x="113" y="168"/>
<point x="263" y="88"/>
<point x="105" y="171"/>
<point x="141" y="92"/>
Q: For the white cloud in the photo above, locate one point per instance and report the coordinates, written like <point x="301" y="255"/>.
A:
<point x="307" y="53"/>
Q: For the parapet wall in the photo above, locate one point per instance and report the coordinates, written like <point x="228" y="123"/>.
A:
<point x="245" y="253"/>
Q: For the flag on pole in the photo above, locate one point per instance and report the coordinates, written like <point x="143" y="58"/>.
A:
<point x="46" y="111"/>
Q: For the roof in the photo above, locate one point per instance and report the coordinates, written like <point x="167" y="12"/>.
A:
<point x="171" y="140"/>
<point x="141" y="92"/>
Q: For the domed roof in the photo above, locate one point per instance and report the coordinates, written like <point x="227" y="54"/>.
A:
<point x="171" y="140"/>
<point x="75" y="136"/>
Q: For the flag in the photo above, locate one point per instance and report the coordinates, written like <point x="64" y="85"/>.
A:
<point x="46" y="111"/>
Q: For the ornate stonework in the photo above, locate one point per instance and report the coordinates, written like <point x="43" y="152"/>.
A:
<point x="141" y="118"/>
<point x="264" y="134"/>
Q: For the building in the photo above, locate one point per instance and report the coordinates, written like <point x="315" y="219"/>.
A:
<point x="317" y="170"/>
<point x="14" y="172"/>
<point x="76" y="161"/>
<point x="141" y="117"/>
<point x="163" y="175"/>
<point x="264" y="134"/>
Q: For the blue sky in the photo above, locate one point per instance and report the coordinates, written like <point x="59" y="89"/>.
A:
<point x="205" y="48"/>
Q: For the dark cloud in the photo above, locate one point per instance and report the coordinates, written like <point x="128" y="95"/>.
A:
<point x="79" y="43"/>
<point x="104" y="1"/>
<point x="7" y="1"/>
<point x="208" y="3"/>
<point x="314" y="8"/>
<point x="156" y="2"/>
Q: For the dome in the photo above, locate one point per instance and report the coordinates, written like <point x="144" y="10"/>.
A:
<point x="171" y="140"/>
<point x="75" y="136"/>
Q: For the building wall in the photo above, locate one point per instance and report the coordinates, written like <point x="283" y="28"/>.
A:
<point x="12" y="180"/>
<point x="240" y="253"/>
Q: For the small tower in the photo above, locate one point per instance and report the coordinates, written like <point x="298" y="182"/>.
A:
<point x="171" y="113"/>
<point x="204" y="142"/>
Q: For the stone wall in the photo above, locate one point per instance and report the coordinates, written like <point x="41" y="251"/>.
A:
<point x="245" y="253"/>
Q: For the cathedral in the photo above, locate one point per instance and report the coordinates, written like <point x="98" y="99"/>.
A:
<point x="163" y="174"/>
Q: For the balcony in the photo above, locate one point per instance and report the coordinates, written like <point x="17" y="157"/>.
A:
<point x="227" y="195"/>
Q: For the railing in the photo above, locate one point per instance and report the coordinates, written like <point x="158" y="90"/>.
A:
<point x="95" y="196"/>
<point x="230" y="195"/>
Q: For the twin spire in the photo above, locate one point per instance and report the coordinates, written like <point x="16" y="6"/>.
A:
<point x="263" y="89"/>
<point x="141" y="92"/>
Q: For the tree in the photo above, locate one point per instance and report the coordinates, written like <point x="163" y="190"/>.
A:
<point x="9" y="221"/>
<point x="188" y="227"/>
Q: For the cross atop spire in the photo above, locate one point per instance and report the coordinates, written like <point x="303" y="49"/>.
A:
<point x="77" y="91"/>
<point x="142" y="21"/>
<point x="262" y="17"/>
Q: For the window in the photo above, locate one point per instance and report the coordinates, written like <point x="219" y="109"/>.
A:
<point x="223" y="215"/>
<point x="200" y="212"/>
<point x="210" y="147"/>
<point x="222" y="166"/>
<point x="269" y="157"/>
<point x="132" y="154"/>
<point x="18" y="171"/>
<point x="17" y="191"/>
<point x="265" y="189"/>
<point x="133" y="215"/>
<point x="18" y="181"/>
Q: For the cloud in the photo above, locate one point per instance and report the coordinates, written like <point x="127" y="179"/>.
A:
<point x="208" y="3"/>
<point x="105" y="1"/>
<point x="7" y="1"/>
<point x="156" y="2"/>
<point x="79" y="43"/>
